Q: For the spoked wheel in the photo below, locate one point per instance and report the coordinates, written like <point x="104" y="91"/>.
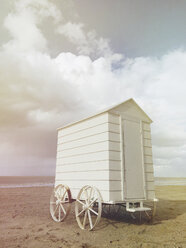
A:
<point x="88" y="207"/>
<point x="60" y="203"/>
<point x="150" y="214"/>
<point x="143" y="216"/>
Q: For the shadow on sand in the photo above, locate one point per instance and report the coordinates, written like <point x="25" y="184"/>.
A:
<point x="166" y="210"/>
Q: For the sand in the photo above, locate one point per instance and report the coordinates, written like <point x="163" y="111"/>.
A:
<point x="25" y="222"/>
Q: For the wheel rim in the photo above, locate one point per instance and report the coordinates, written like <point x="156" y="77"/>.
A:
<point x="60" y="203"/>
<point x="88" y="207"/>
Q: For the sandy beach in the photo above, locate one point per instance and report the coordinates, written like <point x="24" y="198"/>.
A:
<point x="25" y="222"/>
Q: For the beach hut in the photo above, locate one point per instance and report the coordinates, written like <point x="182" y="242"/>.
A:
<point x="104" y="159"/>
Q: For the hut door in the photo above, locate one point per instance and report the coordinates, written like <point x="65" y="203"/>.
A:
<point x="134" y="183"/>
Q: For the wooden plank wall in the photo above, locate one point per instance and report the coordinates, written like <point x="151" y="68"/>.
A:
<point x="115" y="164"/>
<point x="83" y="155"/>
<point x="148" y="162"/>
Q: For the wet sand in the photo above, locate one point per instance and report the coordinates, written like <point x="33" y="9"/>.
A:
<point x="25" y="222"/>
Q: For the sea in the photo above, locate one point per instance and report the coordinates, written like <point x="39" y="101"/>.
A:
<point x="43" y="181"/>
<point x="160" y="181"/>
<point x="26" y="181"/>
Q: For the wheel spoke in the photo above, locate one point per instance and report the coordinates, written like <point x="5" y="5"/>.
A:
<point x="80" y="202"/>
<point x="61" y="191"/>
<point x="58" y="196"/>
<point x="59" y="214"/>
<point x="86" y="195"/>
<point x="80" y="212"/>
<point x="84" y="220"/>
<point x="62" y="208"/>
<point x="89" y="199"/>
<point x="64" y="202"/>
<point x="93" y="211"/>
<point x="58" y="193"/>
<point x="52" y="202"/>
<point x="55" y="209"/>
<point x="93" y="201"/>
<point x="147" y="214"/>
<point x="133" y="216"/>
<point x="63" y="195"/>
<point x="90" y="219"/>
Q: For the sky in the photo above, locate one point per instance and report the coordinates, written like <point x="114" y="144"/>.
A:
<point x="62" y="60"/>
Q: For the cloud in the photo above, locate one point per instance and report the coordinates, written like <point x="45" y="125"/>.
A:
<point x="40" y="93"/>
<point x="87" y="43"/>
<point x="23" y="24"/>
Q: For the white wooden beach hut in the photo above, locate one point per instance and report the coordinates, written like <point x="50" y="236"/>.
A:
<point x="109" y="152"/>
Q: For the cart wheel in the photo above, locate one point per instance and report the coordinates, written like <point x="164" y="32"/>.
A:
<point x="146" y="215"/>
<point x="60" y="203"/>
<point x="88" y="207"/>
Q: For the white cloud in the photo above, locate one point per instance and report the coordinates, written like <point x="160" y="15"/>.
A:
<point x="40" y="93"/>
<point x="87" y="43"/>
<point x="23" y="24"/>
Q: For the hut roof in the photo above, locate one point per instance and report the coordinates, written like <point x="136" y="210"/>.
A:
<point x="108" y="109"/>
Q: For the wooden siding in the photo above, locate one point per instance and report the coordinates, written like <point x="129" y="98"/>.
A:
<point x="88" y="157"/>
<point x="84" y="153"/>
<point x="93" y="175"/>
<point x="88" y="123"/>
<point x="88" y="166"/>
<point x="114" y="140"/>
<point x="114" y="165"/>
<point x="96" y="147"/>
<point x="148" y="162"/>
<point x="102" y="185"/>
<point x="83" y="141"/>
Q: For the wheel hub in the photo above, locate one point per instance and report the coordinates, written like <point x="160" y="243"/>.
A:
<point x="86" y="207"/>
